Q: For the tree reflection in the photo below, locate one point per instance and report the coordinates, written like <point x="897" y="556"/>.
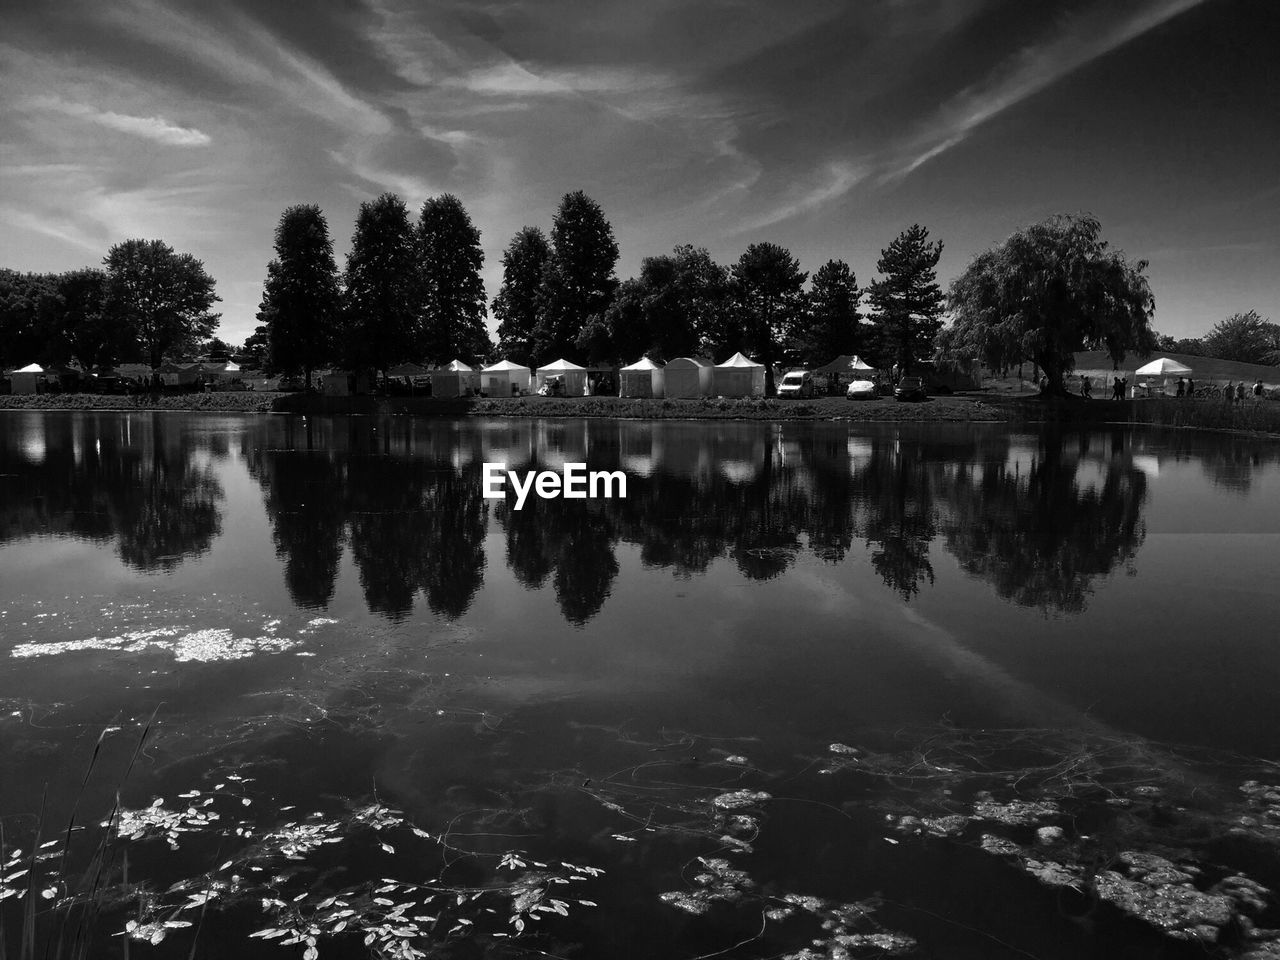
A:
<point x="143" y="483"/>
<point x="1037" y="531"/>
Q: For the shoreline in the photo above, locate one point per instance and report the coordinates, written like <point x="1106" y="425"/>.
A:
<point x="1255" y="419"/>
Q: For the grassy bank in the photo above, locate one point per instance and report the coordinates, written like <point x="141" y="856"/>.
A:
<point x="945" y="409"/>
<point x="1251" y="416"/>
<point x="214" y="402"/>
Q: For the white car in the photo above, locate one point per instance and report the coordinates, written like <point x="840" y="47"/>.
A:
<point x="861" y="390"/>
<point x="797" y="383"/>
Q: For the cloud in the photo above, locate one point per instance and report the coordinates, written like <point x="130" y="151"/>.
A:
<point x="157" y="129"/>
<point x="1078" y="42"/>
<point x="836" y="179"/>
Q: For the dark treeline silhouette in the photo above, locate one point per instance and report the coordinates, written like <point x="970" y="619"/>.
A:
<point x="411" y="292"/>
<point x="148" y="302"/>
<point x="135" y="483"/>
<point x="1040" y="518"/>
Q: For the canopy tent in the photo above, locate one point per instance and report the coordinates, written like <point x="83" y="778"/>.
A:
<point x="505" y="379"/>
<point x="846" y="363"/>
<point x="1163" y="367"/>
<point x="24" y="379"/>
<point x="739" y="376"/>
<point x="644" y="378"/>
<point x="455" y="380"/>
<point x="688" y="377"/>
<point x="575" y="377"/>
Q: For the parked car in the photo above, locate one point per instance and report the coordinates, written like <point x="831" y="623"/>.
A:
<point x="861" y="390"/>
<point x="910" y="388"/>
<point x="797" y="383"/>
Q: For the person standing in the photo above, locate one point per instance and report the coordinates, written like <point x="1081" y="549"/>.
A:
<point x="1191" y="387"/>
<point x="1240" y="392"/>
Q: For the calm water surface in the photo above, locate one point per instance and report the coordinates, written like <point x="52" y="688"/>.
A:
<point x="329" y="609"/>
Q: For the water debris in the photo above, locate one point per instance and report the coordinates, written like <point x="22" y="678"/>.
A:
<point x="740" y="799"/>
<point x="1015" y="812"/>
<point x="199" y="646"/>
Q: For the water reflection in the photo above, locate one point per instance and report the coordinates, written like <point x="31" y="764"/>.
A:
<point x="132" y="481"/>
<point x="1041" y="518"/>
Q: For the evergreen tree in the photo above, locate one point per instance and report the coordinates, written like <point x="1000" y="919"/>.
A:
<point x="382" y="303"/>
<point x="906" y="300"/>
<point x="257" y="350"/>
<point x="301" y="301"/>
<point x="578" y="282"/>
<point x="452" y="290"/>
<point x="828" y="326"/>
<point x="768" y="291"/>
<point x="163" y="295"/>
<point x="518" y="303"/>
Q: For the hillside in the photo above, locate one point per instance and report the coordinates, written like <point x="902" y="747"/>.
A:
<point x="1097" y="362"/>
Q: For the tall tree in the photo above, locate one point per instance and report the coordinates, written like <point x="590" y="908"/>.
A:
<point x="905" y="299"/>
<point x="452" y="291"/>
<point x="828" y="326"/>
<point x="301" y="301"/>
<point x="578" y="282"/>
<point x="1245" y="337"/>
<point x="1049" y="290"/>
<point x="767" y="285"/>
<point x="96" y="334"/>
<point x="163" y="295"/>
<point x="518" y="304"/>
<point x="382" y="301"/>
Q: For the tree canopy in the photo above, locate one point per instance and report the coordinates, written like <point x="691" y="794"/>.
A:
<point x="578" y="281"/>
<point x="382" y="290"/>
<point x="518" y="303"/>
<point x="767" y="289"/>
<point x="301" y="301"/>
<point x="162" y="296"/>
<point x="1049" y="290"/>
<point x="828" y="326"/>
<point x="905" y="299"/>
<point x="1245" y="337"/>
<point x="452" y="290"/>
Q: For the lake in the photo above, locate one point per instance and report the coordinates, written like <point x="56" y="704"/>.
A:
<point x="809" y="690"/>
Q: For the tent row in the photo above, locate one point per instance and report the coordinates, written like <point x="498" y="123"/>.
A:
<point x="686" y="377"/>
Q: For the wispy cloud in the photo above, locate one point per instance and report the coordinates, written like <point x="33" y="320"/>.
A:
<point x="834" y="181"/>
<point x="157" y="129"/>
<point x="1077" y="42"/>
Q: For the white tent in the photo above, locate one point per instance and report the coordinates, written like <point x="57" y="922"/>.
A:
<point x="24" y="379"/>
<point x="688" y="377"/>
<point x="505" y="379"/>
<point x="643" y="378"/>
<point x="739" y="377"/>
<point x="575" y="377"/>
<point x="455" y="380"/>
<point x="1164" y="367"/>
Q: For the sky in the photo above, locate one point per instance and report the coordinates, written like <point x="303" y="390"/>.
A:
<point x="827" y="126"/>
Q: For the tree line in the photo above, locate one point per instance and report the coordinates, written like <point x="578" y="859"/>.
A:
<point x="147" y="300"/>
<point x="413" y="292"/>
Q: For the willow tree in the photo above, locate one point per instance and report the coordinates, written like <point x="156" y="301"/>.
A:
<point x="1049" y="290"/>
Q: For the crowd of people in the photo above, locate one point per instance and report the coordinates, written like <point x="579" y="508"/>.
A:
<point x="1233" y="392"/>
